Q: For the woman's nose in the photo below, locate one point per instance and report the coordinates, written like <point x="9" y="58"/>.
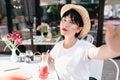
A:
<point x="66" y="24"/>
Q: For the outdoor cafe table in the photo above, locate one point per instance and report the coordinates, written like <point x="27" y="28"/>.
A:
<point x="31" y="68"/>
<point x="38" y="41"/>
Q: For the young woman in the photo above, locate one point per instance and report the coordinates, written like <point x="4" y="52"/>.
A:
<point x="72" y="56"/>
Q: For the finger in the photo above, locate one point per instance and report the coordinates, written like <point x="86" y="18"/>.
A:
<point x="118" y="29"/>
<point x="109" y="28"/>
<point x="118" y="32"/>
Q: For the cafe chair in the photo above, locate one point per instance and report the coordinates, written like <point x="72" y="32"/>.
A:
<point x="117" y="68"/>
<point x="89" y="38"/>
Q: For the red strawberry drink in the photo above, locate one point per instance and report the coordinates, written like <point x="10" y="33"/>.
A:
<point x="43" y="71"/>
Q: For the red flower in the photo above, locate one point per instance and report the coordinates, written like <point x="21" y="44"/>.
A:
<point x="16" y="35"/>
<point x="13" y="40"/>
<point x="18" y="41"/>
<point x="9" y="36"/>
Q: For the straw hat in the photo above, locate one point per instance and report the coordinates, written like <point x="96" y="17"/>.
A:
<point x="84" y="14"/>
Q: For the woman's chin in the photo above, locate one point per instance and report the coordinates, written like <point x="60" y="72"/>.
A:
<point x="63" y="34"/>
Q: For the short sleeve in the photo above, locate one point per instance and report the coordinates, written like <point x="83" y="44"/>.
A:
<point x="84" y="45"/>
<point x="55" y="50"/>
<point x="89" y="45"/>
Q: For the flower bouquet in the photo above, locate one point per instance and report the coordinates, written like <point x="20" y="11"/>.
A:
<point x="12" y="41"/>
<point x="42" y="28"/>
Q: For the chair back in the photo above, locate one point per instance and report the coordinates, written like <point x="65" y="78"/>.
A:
<point x="89" y="38"/>
<point x="117" y="68"/>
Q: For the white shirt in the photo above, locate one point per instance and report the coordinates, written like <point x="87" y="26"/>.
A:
<point x="72" y="63"/>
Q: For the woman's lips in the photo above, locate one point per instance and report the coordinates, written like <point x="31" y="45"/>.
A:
<point x="64" y="29"/>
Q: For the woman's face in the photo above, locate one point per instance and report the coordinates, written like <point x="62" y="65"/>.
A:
<point x="68" y="28"/>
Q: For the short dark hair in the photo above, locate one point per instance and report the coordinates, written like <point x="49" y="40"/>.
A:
<point x="75" y="17"/>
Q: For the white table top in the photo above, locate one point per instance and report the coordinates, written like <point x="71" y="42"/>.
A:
<point x="38" y="41"/>
<point x="31" y="68"/>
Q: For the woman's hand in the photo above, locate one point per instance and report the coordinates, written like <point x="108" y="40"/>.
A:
<point x="112" y="37"/>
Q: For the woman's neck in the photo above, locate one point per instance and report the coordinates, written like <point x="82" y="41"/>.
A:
<point x="68" y="43"/>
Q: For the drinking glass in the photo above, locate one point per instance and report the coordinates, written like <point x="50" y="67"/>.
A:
<point x="43" y="67"/>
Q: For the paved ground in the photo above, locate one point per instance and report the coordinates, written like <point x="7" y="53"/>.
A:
<point x="109" y="70"/>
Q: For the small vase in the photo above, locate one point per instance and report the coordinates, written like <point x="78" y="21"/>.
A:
<point x="42" y="37"/>
<point x="13" y="57"/>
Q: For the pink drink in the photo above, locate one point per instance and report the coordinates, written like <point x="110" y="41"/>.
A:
<point x="43" y="68"/>
<point x="43" y="72"/>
